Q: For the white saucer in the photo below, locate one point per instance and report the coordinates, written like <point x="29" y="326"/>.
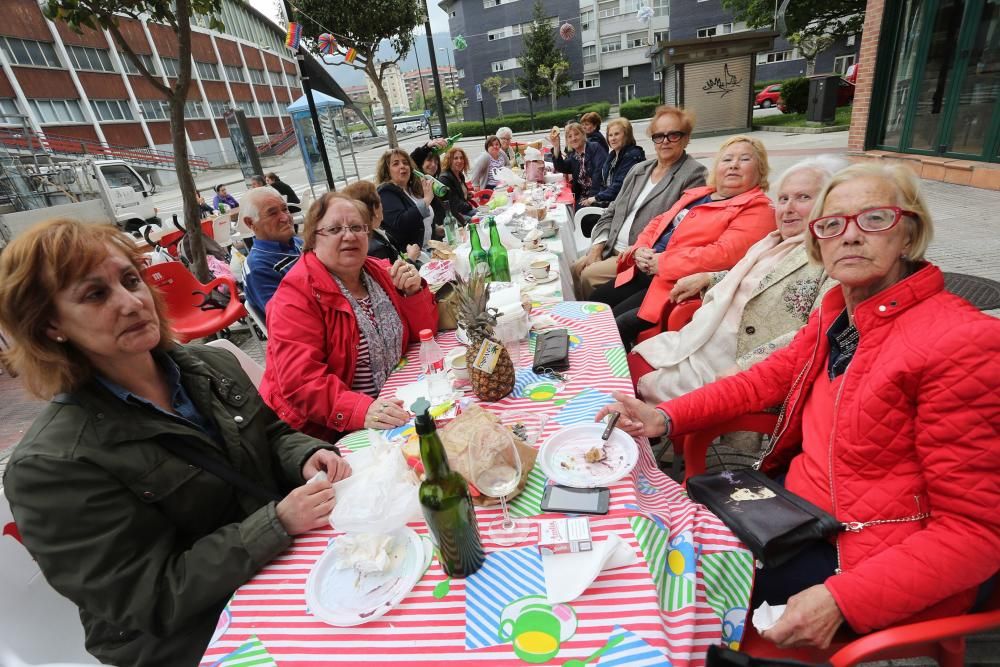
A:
<point x="553" y="275"/>
<point x="541" y="247"/>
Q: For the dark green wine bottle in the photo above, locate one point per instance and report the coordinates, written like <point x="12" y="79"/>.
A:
<point x="445" y="501"/>
<point x="479" y="262"/>
<point x="499" y="266"/>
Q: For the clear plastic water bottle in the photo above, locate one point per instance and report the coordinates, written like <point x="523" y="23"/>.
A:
<point x="432" y="364"/>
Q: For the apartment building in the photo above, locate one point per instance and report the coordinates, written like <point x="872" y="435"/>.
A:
<point x="395" y="90"/>
<point x="422" y="81"/>
<point x="64" y="84"/>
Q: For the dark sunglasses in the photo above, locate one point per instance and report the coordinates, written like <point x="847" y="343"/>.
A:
<point x="669" y="137"/>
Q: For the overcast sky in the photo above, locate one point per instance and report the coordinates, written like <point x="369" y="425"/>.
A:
<point x="439" y="20"/>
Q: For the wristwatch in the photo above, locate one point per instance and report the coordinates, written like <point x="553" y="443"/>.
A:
<point x="667" y="424"/>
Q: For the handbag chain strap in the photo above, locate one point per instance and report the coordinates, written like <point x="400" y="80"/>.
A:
<point x="858" y="526"/>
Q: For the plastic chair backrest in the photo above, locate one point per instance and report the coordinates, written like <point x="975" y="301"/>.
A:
<point x="222" y="231"/>
<point x="253" y="370"/>
<point x="177" y="285"/>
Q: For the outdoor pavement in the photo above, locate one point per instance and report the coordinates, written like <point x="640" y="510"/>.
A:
<point x="967" y="240"/>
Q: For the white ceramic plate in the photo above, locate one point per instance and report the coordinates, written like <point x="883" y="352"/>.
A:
<point x="343" y="598"/>
<point x="562" y="456"/>
<point x="535" y="281"/>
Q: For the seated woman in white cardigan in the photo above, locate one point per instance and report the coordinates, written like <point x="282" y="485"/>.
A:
<point x="749" y="311"/>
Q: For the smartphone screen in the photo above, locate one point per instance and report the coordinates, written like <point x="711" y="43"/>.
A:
<point x="567" y="499"/>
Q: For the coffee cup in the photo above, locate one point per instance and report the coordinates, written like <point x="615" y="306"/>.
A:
<point x="458" y="364"/>
<point x="546" y="224"/>
<point x="539" y="270"/>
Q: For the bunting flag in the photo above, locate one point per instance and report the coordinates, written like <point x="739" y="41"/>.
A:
<point x="326" y="43"/>
<point x="352" y="53"/>
<point x="460" y="43"/>
<point x="294" y="35"/>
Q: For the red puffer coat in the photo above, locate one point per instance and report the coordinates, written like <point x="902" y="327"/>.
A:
<point x="916" y="430"/>
<point x="312" y="345"/>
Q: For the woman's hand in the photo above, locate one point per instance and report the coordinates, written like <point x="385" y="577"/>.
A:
<point x="811" y="619"/>
<point x="647" y="261"/>
<point x="554" y="137"/>
<point x="326" y="461"/>
<point x="386" y="414"/>
<point x="428" y="187"/>
<point x="594" y="255"/>
<point x="306" y="507"/>
<point x="413" y="251"/>
<point x="589" y="201"/>
<point x="405" y="277"/>
<point x="637" y="417"/>
<point x="690" y="287"/>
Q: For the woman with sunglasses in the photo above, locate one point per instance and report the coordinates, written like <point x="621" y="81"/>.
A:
<point x="889" y="423"/>
<point x="649" y="188"/>
<point x="338" y="325"/>
<point x="708" y="228"/>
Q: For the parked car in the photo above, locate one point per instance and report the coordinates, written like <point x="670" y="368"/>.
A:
<point x="768" y="97"/>
<point x="845" y="96"/>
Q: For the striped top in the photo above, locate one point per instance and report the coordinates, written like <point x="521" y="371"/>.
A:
<point x="363" y="381"/>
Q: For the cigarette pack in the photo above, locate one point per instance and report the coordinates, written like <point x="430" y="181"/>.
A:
<point x="564" y="536"/>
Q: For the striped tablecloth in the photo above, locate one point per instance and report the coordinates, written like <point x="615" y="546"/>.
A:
<point x="689" y="589"/>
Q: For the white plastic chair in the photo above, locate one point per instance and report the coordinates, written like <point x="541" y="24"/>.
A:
<point x="253" y="370"/>
<point x="39" y="624"/>
<point x="584" y="212"/>
<point x="222" y="231"/>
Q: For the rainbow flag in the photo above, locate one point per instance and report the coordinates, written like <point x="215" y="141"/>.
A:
<point x="352" y="53"/>
<point x="294" y="35"/>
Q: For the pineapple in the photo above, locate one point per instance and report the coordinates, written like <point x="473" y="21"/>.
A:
<point x="478" y="321"/>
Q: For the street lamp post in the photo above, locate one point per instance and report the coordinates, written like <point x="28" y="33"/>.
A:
<point x="437" y="79"/>
<point x="451" y="67"/>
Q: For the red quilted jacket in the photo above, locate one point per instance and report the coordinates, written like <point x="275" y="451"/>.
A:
<point x="312" y="345"/>
<point x="916" y="430"/>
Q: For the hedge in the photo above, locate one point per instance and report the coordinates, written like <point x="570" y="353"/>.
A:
<point x="795" y="94"/>
<point x="521" y="122"/>
<point x="642" y="107"/>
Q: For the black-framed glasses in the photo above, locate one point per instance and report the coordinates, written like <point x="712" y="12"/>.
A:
<point x="878" y="219"/>
<point x="669" y="137"/>
<point x="340" y="229"/>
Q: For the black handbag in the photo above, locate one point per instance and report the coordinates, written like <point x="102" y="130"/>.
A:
<point x="773" y="522"/>
<point x="719" y="656"/>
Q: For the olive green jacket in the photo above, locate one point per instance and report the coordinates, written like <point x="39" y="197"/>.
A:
<point x="149" y="547"/>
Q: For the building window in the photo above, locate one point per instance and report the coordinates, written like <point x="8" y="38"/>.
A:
<point x="503" y="65"/>
<point x="708" y="31"/>
<point x="257" y="76"/>
<point x="208" y="71"/>
<point x="155" y="109"/>
<point x="235" y="73"/>
<point x="661" y="36"/>
<point x="107" y="110"/>
<point x="583" y="84"/>
<point x="9" y="113"/>
<point x="267" y="108"/>
<point x="841" y="63"/>
<point x="219" y="109"/>
<point x="496" y="3"/>
<point x="626" y="92"/>
<point x="609" y="44"/>
<point x="292" y="79"/>
<point x="636" y="40"/>
<point x="776" y="57"/>
<point x="630" y="6"/>
<point x="57" y="111"/>
<point x="171" y="66"/>
<point x="248" y="108"/>
<point x="586" y="19"/>
<point x="30" y="52"/>
<point x="508" y="95"/>
<point x="606" y="10"/>
<point x="590" y="54"/>
<point x="84" y="57"/>
<point x="727" y="28"/>
<point x="661" y="7"/>
<point x="851" y="39"/>
<point x="194" y="109"/>
<point x="461" y="72"/>
<point x="657" y="74"/>
<point x="274" y="78"/>
<point x="625" y="72"/>
<point x="130" y="67"/>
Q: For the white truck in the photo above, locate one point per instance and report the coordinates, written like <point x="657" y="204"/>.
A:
<point x="87" y="190"/>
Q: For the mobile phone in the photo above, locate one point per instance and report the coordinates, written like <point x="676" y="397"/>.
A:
<point x="569" y="500"/>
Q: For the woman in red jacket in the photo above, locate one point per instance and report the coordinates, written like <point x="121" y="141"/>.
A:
<point x="890" y="422"/>
<point x="709" y="228"/>
<point x="338" y="324"/>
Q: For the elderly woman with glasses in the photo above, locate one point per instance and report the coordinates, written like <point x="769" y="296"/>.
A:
<point x="338" y="325"/>
<point x="889" y="423"/>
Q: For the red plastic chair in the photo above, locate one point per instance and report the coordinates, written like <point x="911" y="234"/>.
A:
<point x="169" y="240"/>
<point x="673" y="318"/>
<point x="185" y="296"/>
<point x="942" y="639"/>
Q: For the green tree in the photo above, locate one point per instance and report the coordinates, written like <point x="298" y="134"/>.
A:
<point x="453" y="99"/>
<point x="381" y="20"/>
<point x="810" y="46"/>
<point x="494" y="85"/>
<point x="539" y="49"/>
<point x="554" y="76"/>
<point x="80" y="15"/>
<point x="810" y="18"/>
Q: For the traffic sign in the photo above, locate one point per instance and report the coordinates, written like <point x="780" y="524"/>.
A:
<point x="479" y="92"/>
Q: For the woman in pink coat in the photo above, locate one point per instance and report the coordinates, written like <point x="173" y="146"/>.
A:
<point x="338" y="324"/>
<point x="890" y="422"/>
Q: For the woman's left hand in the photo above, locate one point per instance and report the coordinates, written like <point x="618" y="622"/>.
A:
<point x="405" y="277"/>
<point x="589" y="201"/>
<point x="647" y="261"/>
<point x="811" y="619"/>
<point x="326" y="460"/>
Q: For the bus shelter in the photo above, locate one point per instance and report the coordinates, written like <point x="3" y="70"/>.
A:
<point x="336" y="138"/>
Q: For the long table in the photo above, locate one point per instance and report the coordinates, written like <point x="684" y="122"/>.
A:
<point x="689" y="589"/>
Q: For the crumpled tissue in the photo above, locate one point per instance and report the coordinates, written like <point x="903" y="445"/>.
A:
<point x="765" y="616"/>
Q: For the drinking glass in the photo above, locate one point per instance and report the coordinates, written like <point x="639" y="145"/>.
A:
<point x="495" y="469"/>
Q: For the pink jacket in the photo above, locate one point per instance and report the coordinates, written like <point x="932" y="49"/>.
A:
<point x="916" y="430"/>
<point x="312" y="345"/>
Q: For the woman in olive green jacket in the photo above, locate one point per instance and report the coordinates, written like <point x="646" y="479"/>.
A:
<point x="149" y="545"/>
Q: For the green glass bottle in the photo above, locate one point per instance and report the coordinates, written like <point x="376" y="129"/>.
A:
<point x="479" y="261"/>
<point x="450" y="229"/>
<point x="451" y="142"/>
<point x="499" y="266"/>
<point x="437" y="187"/>
<point x="446" y="504"/>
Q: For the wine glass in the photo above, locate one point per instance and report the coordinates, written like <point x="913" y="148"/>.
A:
<point x="495" y="469"/>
